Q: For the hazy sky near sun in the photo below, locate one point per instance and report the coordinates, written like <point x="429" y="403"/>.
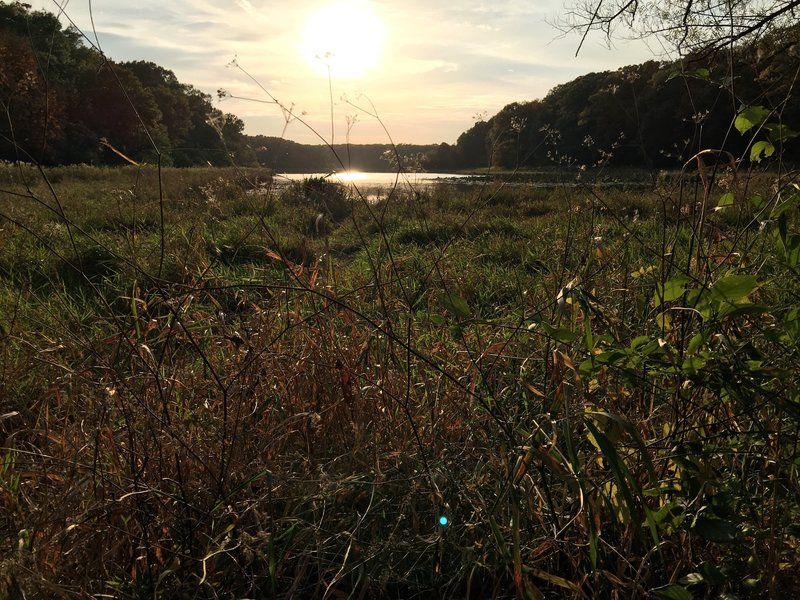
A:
<point x="441" y="62"/>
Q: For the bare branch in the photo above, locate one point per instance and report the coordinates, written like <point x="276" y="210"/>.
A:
<point x="685" y="25"/>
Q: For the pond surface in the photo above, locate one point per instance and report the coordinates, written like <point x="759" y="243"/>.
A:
<point x="370" y="183"/>
<point x="381" y="180"/>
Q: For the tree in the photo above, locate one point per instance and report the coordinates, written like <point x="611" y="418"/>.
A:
<point x="121" y="111"/>
<point x="442" y="158"/>
<point x="506" y="135"/>
<point x="688" y="26"/>
<point x="63" y="102"/>
<point x="170" y="97"/>
<point x="230" y="129"/>
<point x="30" y="109"/>
<point x="472" y="146"/>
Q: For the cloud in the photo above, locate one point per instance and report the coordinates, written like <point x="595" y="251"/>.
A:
<point x="442" y="61"/>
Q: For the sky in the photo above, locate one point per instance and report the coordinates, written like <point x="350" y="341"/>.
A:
<point x="409" y="71"/>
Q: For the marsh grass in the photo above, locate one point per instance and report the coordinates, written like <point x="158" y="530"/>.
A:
<point x="232" y="402"/>
<point x="213" y="386"/>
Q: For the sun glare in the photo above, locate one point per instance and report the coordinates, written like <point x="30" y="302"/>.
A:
<point x="351" y="176"/>
<point x="343" y="39"/>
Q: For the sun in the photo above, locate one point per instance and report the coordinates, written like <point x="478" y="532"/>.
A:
<point x="343" y="39"/>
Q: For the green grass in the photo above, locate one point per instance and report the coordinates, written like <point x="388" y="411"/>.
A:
<point x="240" y="400"/>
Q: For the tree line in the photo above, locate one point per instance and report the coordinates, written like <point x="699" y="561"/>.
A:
<point x="282" y="155"/>
<point x="655" y="114"/>
<point x="64" y="102"/>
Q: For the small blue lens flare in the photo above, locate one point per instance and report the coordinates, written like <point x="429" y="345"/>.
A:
<point x="443" y="520"/>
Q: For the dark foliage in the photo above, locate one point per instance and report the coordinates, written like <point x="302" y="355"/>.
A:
<point x="66" y="103"/>
<point x="656" y="114"/>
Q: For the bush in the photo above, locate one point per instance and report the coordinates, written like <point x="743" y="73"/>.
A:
<point x="329" y="198"/>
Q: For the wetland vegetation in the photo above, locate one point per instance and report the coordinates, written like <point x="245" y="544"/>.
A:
<point x="210" y="392"/>
<point x="569" y="381"/>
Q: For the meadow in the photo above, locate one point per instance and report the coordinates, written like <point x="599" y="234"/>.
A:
<point x="215" y="387"/>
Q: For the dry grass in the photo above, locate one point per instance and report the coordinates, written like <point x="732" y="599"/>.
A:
<point x="230" y="404"/>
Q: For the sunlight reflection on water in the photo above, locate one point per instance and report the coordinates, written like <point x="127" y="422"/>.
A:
<point x="375" y="185"/>
<point x="368" y="179"/>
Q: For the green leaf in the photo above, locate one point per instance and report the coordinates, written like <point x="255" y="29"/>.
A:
<point x="700" y="73"/>
<point x="714" y="530"/>
<point x="712" y="574"/>
<point x="614" y="461"/>
<point x="791" y="324"/>
<point x="696" y="343"/>
<point x="793" y="530"/>
<point x="560" y="334"/>
<point x="733" y="288"/>
<point x="672" y="592"/>
<point x="669" y="516"/>
<point x="588" y="368"/>
<point x="628" y="427"/>
<point x="751" y="583"/>
<point x="757" y="202"/>
<point x="455" y="305"/>
<point x="692" y="579"/>
<point x="779" y="132"/>
<point x="762" y="149"/>
<point x="740" y="310"/>
<point x="692" y="364"/>
<point x="791" y="250"/>
<point x="643" y="271"/>
<point x="593" y="545"/>
<point x="787" y="204"/>
<point x="437" y="319"/>
<point x="650" y="348"/>
<point x="674" y="288"/>
<point x="456" y="331"/>
<point x="553" y="579"/>
<point x="726" y="200"/>
<point x="500" y="540"/>
<point x="135" y="312"/>
<point x="612" y="357"/>
<point x="671" y="290"/>
<point x="749" y="117"/>
<point x="620" y="470"/>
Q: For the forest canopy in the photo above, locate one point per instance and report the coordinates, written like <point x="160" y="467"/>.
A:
<point x="63" y="102"/>
<point x="654" y="114"/>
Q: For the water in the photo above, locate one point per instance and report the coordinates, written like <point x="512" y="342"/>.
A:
<point x="370" y="183"/>
<point x="374" y="186"/>
<point x="381" y="180"/>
